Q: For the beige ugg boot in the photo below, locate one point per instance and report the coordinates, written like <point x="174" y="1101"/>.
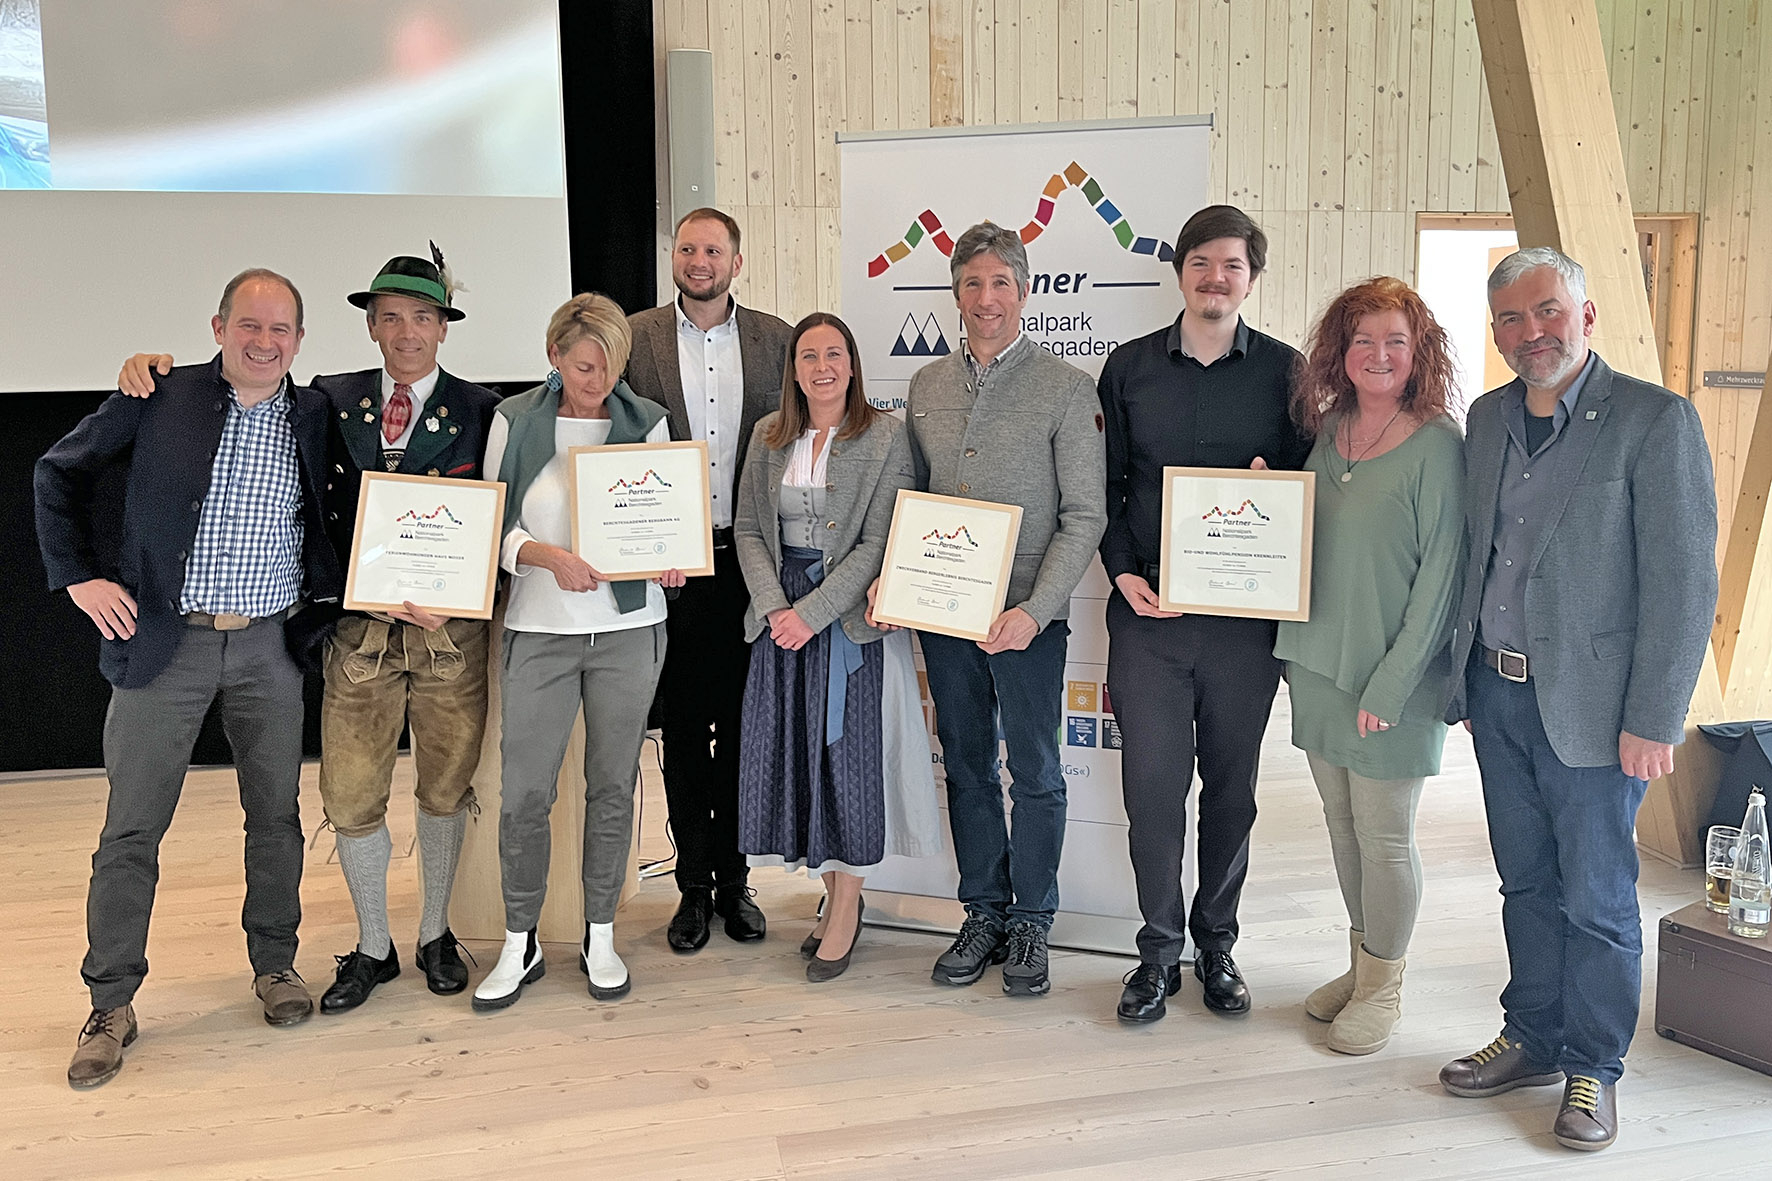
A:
<point x="1331" y="998"/>
<point x="1364" y="1025"/>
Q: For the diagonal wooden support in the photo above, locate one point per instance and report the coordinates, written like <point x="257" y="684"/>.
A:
<point x="1546" y="68"/>
<point x="1743" y="635"/>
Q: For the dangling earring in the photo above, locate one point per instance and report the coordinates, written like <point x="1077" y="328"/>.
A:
<point x="1326" y="402"/>
<point x="555" y="383"/>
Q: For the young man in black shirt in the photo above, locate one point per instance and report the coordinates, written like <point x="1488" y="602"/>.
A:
<point x="1205" y="391"/>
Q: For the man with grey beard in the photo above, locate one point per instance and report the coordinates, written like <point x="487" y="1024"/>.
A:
<point x="1587" y="605"/>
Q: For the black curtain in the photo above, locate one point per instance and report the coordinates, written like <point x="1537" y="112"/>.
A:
<point x="606" y="87"/>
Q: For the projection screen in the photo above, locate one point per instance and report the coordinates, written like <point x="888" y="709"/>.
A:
<point x="150" y="150"/>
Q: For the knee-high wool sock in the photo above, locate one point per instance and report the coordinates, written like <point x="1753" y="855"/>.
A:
<point x="365" y="862"/>
<point x="439" y="845"/>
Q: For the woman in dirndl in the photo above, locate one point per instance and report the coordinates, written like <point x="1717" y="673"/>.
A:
<point x="834" y="766"/>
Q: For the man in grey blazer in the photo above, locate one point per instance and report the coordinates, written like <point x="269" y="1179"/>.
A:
<point x="718" y="368"/>
<point x="1587" y="606"/>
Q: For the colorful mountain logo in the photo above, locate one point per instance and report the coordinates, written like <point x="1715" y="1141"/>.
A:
<point x="1246" y="506"/>
<point x="650" y="477"/>
<point x="961" y="532"/>
<point x="441" y="510"/>
<point x="928" y="225"/>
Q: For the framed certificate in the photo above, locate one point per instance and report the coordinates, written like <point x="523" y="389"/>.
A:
<point x="1237" y="542"/>
<point x="639" y="509"/>
<point x="428" y="541"/>
<point x="947" y="564"/>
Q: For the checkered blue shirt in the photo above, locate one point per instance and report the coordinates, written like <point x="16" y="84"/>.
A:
<point x="247" y="556"/>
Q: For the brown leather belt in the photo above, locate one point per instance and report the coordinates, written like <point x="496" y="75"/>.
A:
<point x="1511" y="665"/>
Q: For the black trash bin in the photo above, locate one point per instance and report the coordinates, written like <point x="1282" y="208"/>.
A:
<point x="1746" y="748"/>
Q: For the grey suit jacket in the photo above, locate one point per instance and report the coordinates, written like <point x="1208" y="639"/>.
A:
<point x="1622" y="588"/>
<point x="863" y="477"/>
<point x="653" y="371"/>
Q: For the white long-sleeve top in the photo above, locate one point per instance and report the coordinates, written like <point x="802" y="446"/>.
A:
<point x="536" y="602"/>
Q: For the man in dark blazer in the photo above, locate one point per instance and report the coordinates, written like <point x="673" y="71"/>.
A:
<point x="408" y="416"/>
<point x="718" y="368"/>
<point x="222" y="539"/>
<point x="1587" y="606"/>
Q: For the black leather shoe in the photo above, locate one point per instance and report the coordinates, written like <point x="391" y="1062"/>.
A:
<point x="1225" y="991"/>
<point x="358" y="975"/>
<point x="689" y="926"/>
<point x="1146" y="987"/>
<point x="744" y="921"/>
<point x="440" y="961"/>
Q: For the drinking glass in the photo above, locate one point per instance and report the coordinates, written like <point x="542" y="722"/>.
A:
<point x="1719" y="865"/>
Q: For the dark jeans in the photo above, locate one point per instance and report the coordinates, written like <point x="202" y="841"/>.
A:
<point x="1564" y="844"/>
<point x="149" y="733"/>
<point x="1194" y="689"/>
<point x="701" y="701"/>
<point x="1004" y="877"/>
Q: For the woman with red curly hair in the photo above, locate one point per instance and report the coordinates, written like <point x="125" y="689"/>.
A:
<point x="1368" y="673"/>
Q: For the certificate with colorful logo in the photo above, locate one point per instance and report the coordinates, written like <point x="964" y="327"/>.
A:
<point x="428" y="541"/>
<point x="947" y="564"/>
<point x="640" y="509"/>
<point x="1237" y="542"/>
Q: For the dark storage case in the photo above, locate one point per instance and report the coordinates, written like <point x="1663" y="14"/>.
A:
<point x="1714" y="990"/>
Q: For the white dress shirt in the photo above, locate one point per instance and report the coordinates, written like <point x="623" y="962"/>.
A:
<point x="713" y="393"/>
<point x="421" y="389"/>
<point x="536" y="603"/>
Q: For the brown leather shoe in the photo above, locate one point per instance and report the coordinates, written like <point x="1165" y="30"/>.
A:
<point x="285" y="997"/>
<point x="99" y="1055"/>
<point x="1499" y="1066"/>
<point x="1588" y="1119"/>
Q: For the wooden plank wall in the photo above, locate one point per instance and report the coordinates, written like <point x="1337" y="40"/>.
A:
<point x="1336" y="121"/>
<point x="1685" y="88"/>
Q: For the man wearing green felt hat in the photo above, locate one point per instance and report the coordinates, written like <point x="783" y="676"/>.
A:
<point x="410" y="666"/>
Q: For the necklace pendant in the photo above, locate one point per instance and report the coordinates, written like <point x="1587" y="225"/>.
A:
<point x="1346" y="476"/>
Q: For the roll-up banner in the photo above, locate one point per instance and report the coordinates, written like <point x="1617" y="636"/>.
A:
<point x="1098" y="206"/>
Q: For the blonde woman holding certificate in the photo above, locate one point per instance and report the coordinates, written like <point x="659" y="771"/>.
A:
<point x="572" y="638"/>
<point x="834" y="770"/>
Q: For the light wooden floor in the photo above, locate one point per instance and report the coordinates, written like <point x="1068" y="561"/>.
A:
<point x="727" y="1064"/>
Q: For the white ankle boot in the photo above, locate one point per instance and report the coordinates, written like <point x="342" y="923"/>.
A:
<point x="598" y="961"/>
<point x="519" y="963"/>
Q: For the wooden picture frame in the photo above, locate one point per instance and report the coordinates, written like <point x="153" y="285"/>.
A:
<point x="640" y="509"/>
<point x="947" y="564"/>
<point x="426" y="535"/>
<point x="1240" y="561"/>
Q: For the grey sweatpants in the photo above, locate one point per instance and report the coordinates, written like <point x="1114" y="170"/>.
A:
<point x="546" y="678"/>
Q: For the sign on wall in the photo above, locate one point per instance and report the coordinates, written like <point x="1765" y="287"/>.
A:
<point x="1098" y="206"/>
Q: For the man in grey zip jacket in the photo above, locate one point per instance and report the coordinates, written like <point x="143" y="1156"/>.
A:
<point x="1003" y="420"/>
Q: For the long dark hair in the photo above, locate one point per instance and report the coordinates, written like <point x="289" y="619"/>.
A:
<point x="791" y="423"/>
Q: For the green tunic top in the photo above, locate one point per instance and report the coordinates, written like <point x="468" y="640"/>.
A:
<point x="1387" y="559"/>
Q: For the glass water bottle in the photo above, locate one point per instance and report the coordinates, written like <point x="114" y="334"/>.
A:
<point x="1750" y="893"/>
